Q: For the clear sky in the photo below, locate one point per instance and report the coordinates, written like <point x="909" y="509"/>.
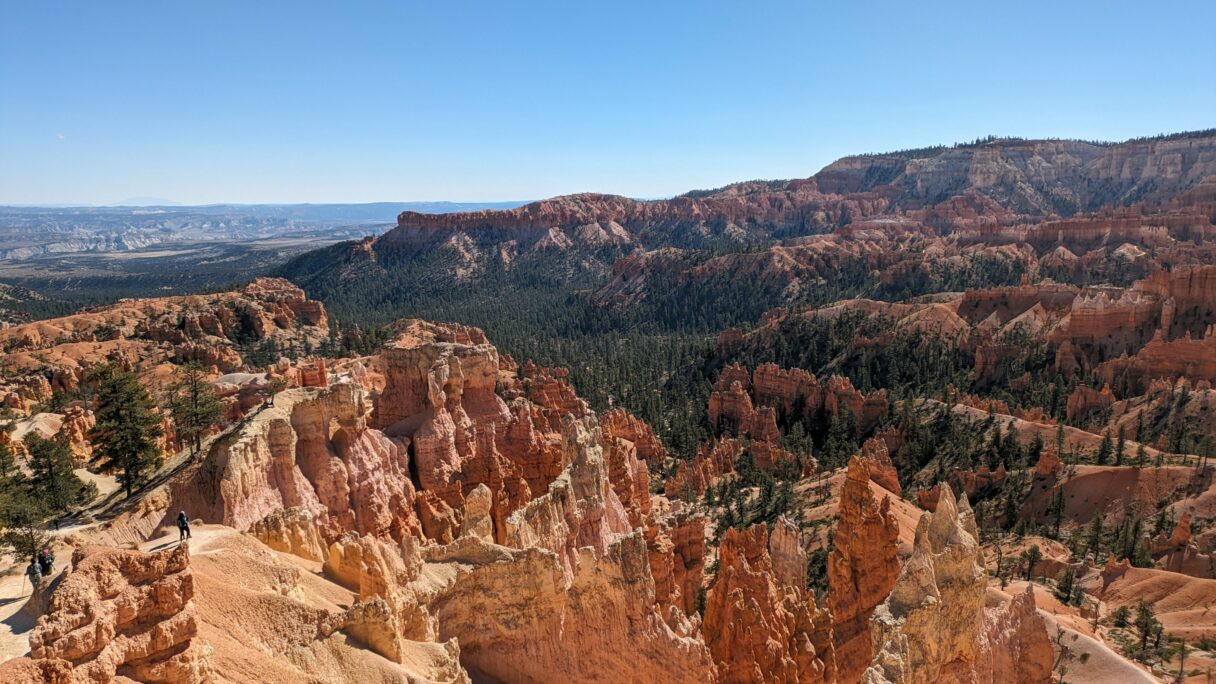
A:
<point x="258" y="101"/>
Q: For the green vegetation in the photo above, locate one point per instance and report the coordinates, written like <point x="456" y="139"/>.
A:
<point x="193" y="405"/>
<point x="52" y="480"/>
<point x="27" y="502"/>
<point x="124" y="437"/>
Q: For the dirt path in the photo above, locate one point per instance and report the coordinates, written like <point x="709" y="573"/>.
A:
<point x="15" y="620"/>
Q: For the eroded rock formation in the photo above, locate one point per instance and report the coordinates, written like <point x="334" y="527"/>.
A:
<point x="749" y="406"/>
<point x="619" y="423"/>
<point x="759" y="626"/>
<point x="123" y="613"/>
<point x="934" y="628"/>
<point x="146" y="334"/>
<point x="862" y="568"/>
<point x="578" y="577"/>
<point x="312" y="450"/>
<point x="291" y="530"/>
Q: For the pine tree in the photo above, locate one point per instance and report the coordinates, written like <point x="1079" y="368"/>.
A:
<point x="1146" y="624"/>
<point x="740" y="513"/>
<point x="1129" y="542"/>
<point x="1065" y="585"/>
<point x="52" y="479"/>
<point x="21" y="517"/>
<point x="1104" y="449"/>
<point x="193" y="405"/>
<point x="1093" y="539"/>
<point x="995" y="447"/>
<point x="1036" y="449"/>
<point x="783" y="502"/>
<point x="1031" y="558"/>
<point x="1120" y="446"/>
<point x="124" y="437"/>
<point x="840" y="445"/>
<point x="1121" y="617"/>
<point x="764" y="501"/>
<point x="1163" y="524"/>
<point x="1056" y="510"/>
<point x="1141" y="558"/>
<point x="10" y="474"/>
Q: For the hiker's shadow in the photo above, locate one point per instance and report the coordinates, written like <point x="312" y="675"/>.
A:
<point x="166" y="545"/>
<point x="22" y="621"/>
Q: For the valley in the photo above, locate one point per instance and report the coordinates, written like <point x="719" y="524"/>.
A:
<point x="940" y="415"/>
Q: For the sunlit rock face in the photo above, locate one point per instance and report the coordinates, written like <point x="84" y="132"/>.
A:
<point x="121" y="613"/>
<point x="760" y="624"/>
<point x="862" y="568"/>
<point x="934" y="628"/>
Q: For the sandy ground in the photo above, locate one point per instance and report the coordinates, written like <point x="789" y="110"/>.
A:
<point x="15" y="621"/>
<point x="1093" y="662"/>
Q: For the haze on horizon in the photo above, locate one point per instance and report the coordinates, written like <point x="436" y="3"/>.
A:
<point x="286" y="102"/>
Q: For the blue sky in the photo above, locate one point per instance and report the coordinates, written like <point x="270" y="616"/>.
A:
<point x="365" y="101"/>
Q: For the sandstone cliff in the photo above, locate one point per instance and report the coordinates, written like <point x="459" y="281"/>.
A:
<point x="1026" y="176"/>
<point x="312" y="449"/>
<point x="934" y="628"/>
<point x="147" y="335"/>
<point x="862" y="568"/>
<point x="574" y="572"/>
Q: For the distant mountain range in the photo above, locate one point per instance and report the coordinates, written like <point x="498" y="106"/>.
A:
<point x="31" y="231"/>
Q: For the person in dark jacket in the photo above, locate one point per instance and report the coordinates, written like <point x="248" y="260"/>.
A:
<point x="46" y="561"/>
<point x="183" y="527"/>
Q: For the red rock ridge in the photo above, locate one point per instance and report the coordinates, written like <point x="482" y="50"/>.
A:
<point x="621" y="424"/>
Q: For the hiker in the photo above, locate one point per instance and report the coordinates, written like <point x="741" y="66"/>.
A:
<point x="34" y="574"/>
<point x="46" y="561"/>
<point x="183" y="527"/>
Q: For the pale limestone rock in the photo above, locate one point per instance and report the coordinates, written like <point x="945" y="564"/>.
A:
<point x="477" y="519"/>
<point x="934" y="628"/>
<point x="291" y="530"/>
<point x="125" y="612"/>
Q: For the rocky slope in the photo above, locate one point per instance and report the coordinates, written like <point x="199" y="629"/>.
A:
<point x="119" y="614"/>
<point x="469" y="497"/>
<point x="149" y="336"/>
<point x="1024" y="176"/>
